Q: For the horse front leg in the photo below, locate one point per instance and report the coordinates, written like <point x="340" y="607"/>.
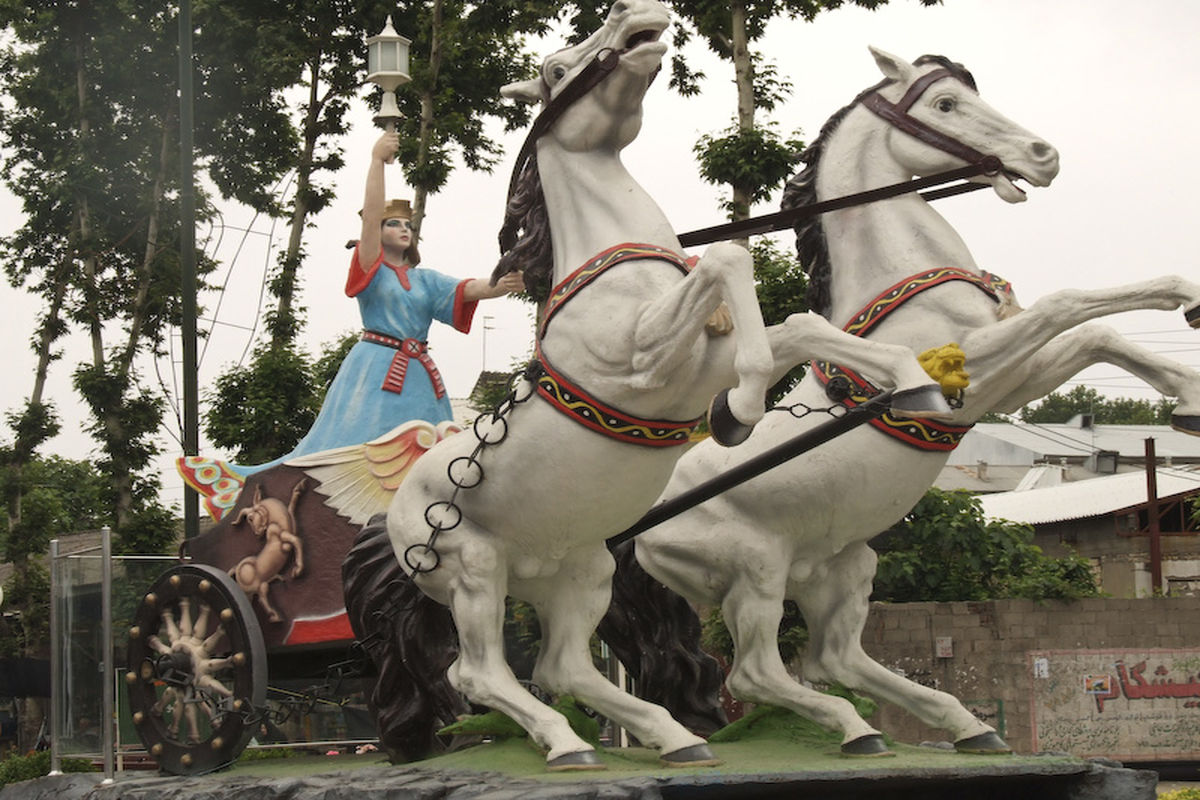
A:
<point x="668" y="328"/>
<point x="1099" y="344"/>
<point x="1005" y="345"/>
<point x="807" y="336"/>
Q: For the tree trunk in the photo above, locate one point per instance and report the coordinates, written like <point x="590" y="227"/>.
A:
<point x="421" y="193"/>
<point x="743" y="70"/>
<point x="285" y="325"/>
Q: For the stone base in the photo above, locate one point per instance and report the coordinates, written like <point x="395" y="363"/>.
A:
<point x="1074" y="780"/>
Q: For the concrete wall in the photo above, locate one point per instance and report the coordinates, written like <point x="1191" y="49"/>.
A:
<point x="991" y="667"/>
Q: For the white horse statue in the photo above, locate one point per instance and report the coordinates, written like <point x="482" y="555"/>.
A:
<point x="626" y="369"/>
<point x="894" y="270"/>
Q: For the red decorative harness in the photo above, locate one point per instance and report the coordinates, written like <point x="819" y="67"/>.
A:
<point x="918" y="433"/>
<point x="568" y="398"/>
<point x="406" y="349"/>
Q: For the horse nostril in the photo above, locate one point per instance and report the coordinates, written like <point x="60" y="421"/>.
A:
<point x="1042" y="151"/>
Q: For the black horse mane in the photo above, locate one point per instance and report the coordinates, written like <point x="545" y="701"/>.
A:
<point x="525" y="236"/>
<point x="811" y="248"/>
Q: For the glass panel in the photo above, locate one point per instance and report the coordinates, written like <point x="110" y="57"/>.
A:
<point x="389" y="56"/>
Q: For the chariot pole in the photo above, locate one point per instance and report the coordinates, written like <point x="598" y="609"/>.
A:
<point x="751" y="468"/>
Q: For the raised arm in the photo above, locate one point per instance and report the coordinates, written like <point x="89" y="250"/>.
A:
<point x="374" y="199"/>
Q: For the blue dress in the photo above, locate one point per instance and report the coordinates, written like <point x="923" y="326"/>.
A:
<point x="399" y="303"/>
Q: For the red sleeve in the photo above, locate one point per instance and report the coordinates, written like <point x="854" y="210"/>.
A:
<point x="357" y="279"/>
<point x="464" y="311"/>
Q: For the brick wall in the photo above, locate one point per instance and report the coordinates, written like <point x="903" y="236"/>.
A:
<point x="990" y="667"/>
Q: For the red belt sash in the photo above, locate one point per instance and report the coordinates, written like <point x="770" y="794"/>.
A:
<point x="918" y="433"/>
<point x="568" y="398"/>
<point x="406" y="350"/>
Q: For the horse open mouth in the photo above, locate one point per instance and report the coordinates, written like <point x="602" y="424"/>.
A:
<point x="642" y="37"/>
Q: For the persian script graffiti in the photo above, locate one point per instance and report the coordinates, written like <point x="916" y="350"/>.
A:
<point x="1133" y="686"/>
<point x="1120" y="704"/>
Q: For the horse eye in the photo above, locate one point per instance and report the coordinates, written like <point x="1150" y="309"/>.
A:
<point x="945" y="105"/>
<point x="559" y="72"/>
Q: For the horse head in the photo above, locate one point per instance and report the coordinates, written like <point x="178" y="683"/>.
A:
<point x="609" y="114"/>
<point x="937" y="121"/>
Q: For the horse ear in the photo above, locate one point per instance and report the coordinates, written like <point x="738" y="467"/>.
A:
<point x="892" y="66"/>
<point x="524" y="91"/>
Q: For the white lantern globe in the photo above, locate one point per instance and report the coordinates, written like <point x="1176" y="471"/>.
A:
<point x="387" y="67"/>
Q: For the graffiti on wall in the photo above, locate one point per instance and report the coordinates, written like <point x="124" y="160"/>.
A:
<point x="1124" y="704"/>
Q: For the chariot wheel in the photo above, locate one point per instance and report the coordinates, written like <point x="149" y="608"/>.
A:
<point x="197" y="677"/>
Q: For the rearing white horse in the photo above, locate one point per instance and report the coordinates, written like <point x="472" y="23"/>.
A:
<point x="897" y="272"/>
<point x="626" y="372"/>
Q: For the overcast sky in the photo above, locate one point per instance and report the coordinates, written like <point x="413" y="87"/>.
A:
<point x="1110" y="84"/>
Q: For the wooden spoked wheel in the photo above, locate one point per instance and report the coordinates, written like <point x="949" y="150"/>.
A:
<point x="197" y="677"/>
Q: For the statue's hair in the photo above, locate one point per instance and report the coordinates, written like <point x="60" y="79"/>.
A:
<point x="811" y="248"/>
<point x="525" y="242"/>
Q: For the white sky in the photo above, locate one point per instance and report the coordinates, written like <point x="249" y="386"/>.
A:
<point x="1110" y="83"/>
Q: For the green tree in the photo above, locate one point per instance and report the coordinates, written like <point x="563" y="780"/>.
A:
<point x="90" y="123"/>
<point x="751" y="157"/>
<point x="782" y="289"/>
<point x="945" y="549"/>
<point x="1061" y="407"/>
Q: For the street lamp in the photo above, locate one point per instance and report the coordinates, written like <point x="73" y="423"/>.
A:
<point x="387" y="67"/>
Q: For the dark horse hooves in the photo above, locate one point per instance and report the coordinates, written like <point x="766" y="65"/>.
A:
<point x="924" y="401"/>
<point x="1192" y="315"/>
<point x="723" y="425"/>
<point x="698" y="755"/>
<point x="582" y="761"/>
<point x="1186" y="423"/>
<point x="984" y="744"/>
<point x="869" y="746"/>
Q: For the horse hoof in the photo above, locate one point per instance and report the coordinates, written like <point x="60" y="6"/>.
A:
<point x="923" y="401"/>
<point x="698" y="755"/>
<point x="869" y="746"/>
<point x="1186" y="423"/>
<point x="582" y="761"/>
<point x="988" y="744"/>
<point x="723" y="425"/>
<point x="1192" y="315"/>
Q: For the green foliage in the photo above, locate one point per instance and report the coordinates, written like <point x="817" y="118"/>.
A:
<point x="57" y="496"/>
<point x="1061" y="407"/>
<point x="756" y="160"/>
<point x="502" y="726"/>
<point x="36" y="765"/>
<point x="262" y="410"/>
<point x="333" y="353"/>
<point x="28" y="589"/>
<point x="945" y="549"/>
<point x="1182" y="793"/>
<point x="782" y="289"/>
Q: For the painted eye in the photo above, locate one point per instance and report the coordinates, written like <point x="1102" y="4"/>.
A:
<point x="946" y="105"/>
<point x="558" y="72"/>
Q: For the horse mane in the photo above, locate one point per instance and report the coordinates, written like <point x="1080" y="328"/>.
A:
<point x="811" y="248"/>
<point x="525" y="236"/>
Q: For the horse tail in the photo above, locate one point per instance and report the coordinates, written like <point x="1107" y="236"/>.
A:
<point x="410" y="638"/>
<point x="656" y="635"/>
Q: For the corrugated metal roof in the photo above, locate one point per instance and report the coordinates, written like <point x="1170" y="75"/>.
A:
<point x="998" y="442"/>
<point x="1089" y="498"/>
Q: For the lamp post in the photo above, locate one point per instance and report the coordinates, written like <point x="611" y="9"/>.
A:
<point x="387" y="67"/>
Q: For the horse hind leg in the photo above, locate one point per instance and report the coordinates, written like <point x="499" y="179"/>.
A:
<point x="569" y="607"/>
<point x="656" y="634"/>
<point x="835" y="610"/>
<point x="752" y="614"/>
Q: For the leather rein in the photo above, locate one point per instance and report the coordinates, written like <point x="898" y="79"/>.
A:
<point x="596" y="71"/>
<point x="897" y="115"/>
